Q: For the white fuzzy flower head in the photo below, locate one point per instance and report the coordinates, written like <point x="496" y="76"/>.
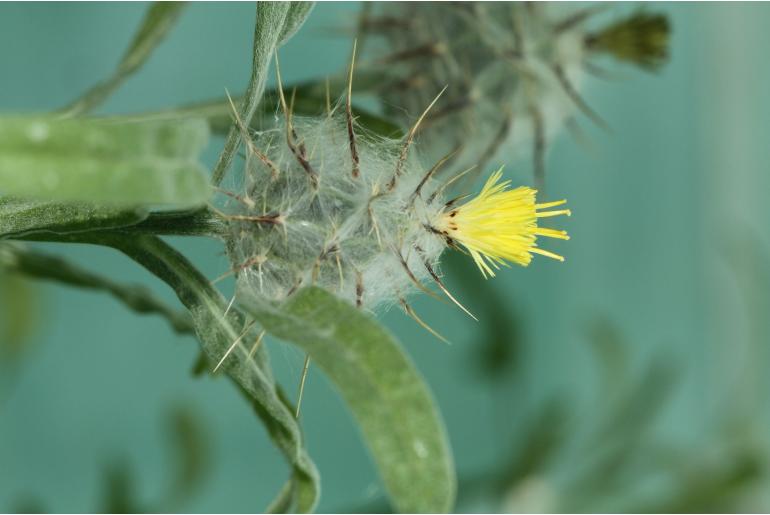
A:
<point x="315" y="210"/>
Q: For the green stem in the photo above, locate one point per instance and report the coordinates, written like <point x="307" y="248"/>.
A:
<point x="265" y="43"/>
<point x="216" y="331"/>
<point x="37" y="265"/>
<point x="202" y="222"/>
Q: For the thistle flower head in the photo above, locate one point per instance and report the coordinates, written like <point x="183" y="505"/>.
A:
<point x="514" y="69"/>
<point x="500" y="225"/>
<point x="503" y="61"/>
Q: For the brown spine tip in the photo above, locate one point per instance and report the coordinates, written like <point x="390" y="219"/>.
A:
<point x="418" y="190"/>
<point x="441" y="286"/>
<point x="298" y="151"/>
<point x="359" y="290"/>
<point x="294" y="288"/>
<point x="269" y="219"/>
<point x="349" y="116"/>
<point x="410" y="312"/>
<point x="408" y="142"/>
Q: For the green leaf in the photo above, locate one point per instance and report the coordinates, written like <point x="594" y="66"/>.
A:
<point x="276" y="22"/>
<point x="157" y="23"/>
<point x="119" y="493"/>
<point x="216" y="332"/>
<point x="30" y="263"/>
<point x="539" y="438"/>
<point x="98" y="161"/>
<point x="309" y="100"/>
<point x="114" y="137"/>
<point x="19" y="217"/>
<point x="20" y="316"/>
<point x="191" y="458"/>
<point x="381" y="386"/>
<point x="295" y="18"/>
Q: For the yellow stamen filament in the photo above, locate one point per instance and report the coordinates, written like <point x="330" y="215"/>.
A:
<point x="500" y="225"/>
<point x="550" y="204"/>
<point x="551" y="233"/>
<point x="554" y="213"/>
<point x="542" y="252"/>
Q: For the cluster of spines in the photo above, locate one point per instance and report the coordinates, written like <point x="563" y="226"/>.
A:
<point x="402" y="184"/>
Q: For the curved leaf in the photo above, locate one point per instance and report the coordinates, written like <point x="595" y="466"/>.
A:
<point x="30" y="263"/>
<point x="216" y="332"/>
<point x="381" y="386"/>
<point x="276" y="22"/>
<point x="295" y="18"/>
<point x="158" y="21"/>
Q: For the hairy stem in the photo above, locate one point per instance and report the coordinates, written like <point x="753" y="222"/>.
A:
<point x="202" y="222"/>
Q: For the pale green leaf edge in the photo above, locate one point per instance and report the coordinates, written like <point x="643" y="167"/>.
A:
<point x="383" y="389"/>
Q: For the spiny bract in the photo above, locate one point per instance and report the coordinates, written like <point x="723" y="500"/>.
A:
<point x="342" y="212"/>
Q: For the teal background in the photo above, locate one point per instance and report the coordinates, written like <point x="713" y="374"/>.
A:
<point x="669" y="213"/>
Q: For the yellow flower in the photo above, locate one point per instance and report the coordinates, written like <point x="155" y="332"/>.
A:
<point x="500" y="225"/>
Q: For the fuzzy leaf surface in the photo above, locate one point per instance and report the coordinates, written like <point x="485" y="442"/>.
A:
<point x="295" y="18"/>
<point x="19" y="217"/>
<point x="383" y="389"/>
<point x="104" y="162"/>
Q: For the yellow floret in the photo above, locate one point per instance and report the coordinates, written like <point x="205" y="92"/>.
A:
<point x="500" y="225"/>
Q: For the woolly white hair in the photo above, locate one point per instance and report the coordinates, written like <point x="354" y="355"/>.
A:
<point x="324" y="202"/>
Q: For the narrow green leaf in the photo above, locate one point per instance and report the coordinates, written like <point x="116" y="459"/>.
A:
<point x="191" y="458"/>
<point x="157" y="23"/>
<point x="276" y="22"/>
<point x="310" y="100"/>
<point x="20" y="316"/>
<point x="611" y="353"/>
<point x="216" y="332"/>
<point x="295" y="18"/>
<point x="19" y="217"/>
<point x="119" y="491"/>
<point x="30" y="263"/>
<point x="282" y="502"/>
<point x="539" y="438"/>
<point x="97" y="161"/>
<point x="381" y="386"/>
<point x="219" y="114"/>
